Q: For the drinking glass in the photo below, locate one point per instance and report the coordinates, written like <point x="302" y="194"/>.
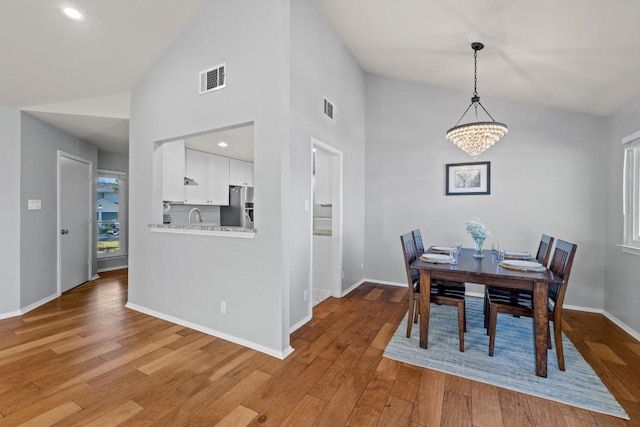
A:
<point x="458" y="247"/>
<point x="495" y="248"/>
<point x="454" y="256"/>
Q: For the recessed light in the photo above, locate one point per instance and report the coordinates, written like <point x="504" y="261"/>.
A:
<point x="73" y="13"/>
<point x="222" y="144"/>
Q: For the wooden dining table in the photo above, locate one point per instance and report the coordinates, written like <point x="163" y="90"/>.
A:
<point x="487" y="271"/>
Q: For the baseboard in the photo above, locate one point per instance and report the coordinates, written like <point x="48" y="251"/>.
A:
<point x="300" y="324"/>
<point x="119" y="267"/>
<point x="383" y="282"/>
<point x="245" y="343"/>
<point x="37" y="304"/>
<point x="10" y="314"/>
<point x="622" y="325"/>
<point x="321" y="293"/>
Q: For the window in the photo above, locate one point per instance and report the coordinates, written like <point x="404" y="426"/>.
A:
<point x="631" y="193"/>
<point x="110" y="213"/>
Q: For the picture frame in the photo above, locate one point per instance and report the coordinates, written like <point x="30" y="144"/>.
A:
<point x="466" y="179"/>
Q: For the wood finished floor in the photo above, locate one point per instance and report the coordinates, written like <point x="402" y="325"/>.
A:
<point x="84" y="359"/>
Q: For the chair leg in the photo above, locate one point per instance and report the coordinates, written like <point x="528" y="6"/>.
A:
<point x="493" y="319"/>
<point x="557" y="327"/>
<point x="410" y="314"/>
<point x="464" y="311"/>
<point x="416" y="311"/>
<point x="485" y="309"/>
<point x="461" y="324"/>
<point x="549" y="335"/>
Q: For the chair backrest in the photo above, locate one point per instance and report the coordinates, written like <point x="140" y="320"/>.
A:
<point x="544" y="250"/>
<point x="417" y="240"/>
<point x="561" y="264"/>
<point x="409" y="252"/>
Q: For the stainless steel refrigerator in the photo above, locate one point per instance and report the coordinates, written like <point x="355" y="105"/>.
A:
<point x="239" y="213"/>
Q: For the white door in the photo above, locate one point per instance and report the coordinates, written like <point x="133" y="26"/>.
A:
<point x="74" y="198"/>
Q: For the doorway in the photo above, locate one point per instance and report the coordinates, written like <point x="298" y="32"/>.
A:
<point x="74" y="221"/>
<point x="326" y="219"/>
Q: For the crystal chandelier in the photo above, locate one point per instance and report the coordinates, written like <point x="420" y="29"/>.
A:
<point x="475" y="137"/>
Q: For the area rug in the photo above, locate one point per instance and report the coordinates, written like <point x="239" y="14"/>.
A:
<point x="513" y="364"/>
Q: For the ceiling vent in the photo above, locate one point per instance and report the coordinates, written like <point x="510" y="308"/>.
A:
<point x="329" y="109"/>
<point x="213" y="79"/>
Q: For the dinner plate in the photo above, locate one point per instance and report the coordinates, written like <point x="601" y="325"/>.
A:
<point x="437" y="258"/>
<point x="517" y="264"/>
<point x="517" y="254"/>
<point x="445" y="249"/>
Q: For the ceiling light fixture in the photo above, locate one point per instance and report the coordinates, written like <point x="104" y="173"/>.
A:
<point x="475" y="137"/>
<point x="222" y="144"/>
<point x="73" y="13"/>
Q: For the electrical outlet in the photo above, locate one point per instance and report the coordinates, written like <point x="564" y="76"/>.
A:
<point x="223" y="307"/>
<point x="306" y="295"/>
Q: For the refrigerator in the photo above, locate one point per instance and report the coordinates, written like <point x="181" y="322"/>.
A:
<point x="239" y="213"/>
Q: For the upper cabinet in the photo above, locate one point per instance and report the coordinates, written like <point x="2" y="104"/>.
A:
<point x="210" y="175"/>
<point x="240" y="173"/>
<point x="173" y="164"/>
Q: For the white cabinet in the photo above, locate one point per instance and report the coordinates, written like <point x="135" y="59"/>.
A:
<point x="211" y="174"/>
<point x="218" y="180"/>
<point x="173" y="163"/>
<point x="240" y="173"/>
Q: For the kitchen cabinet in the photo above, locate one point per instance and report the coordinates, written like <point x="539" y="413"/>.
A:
<point x="211" y="175"/>
<point x="173" y="163"/>
<point x="240" y="173"/>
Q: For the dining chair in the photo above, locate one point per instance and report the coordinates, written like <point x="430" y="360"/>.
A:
<point x="441" y="292"/>
<point x="560" y="265"/>
<point x="417" y="239"/>
<point x="544" y="249"/>
<point x="542" y="256"/>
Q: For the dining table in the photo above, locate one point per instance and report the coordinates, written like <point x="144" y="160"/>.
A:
<point x="488" y="271"/>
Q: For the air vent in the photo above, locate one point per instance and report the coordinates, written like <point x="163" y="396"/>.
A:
<point x="329" y="109"/>
<point x="213" y="79"/>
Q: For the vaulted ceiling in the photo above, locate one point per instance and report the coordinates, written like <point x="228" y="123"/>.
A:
<point x="576" y="55"/>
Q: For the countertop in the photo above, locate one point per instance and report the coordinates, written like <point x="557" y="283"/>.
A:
<point x="204" y="229"/>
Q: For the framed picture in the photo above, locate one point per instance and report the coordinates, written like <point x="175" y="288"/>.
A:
<point x="468" y="178"/>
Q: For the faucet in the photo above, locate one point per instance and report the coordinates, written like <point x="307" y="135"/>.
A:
<point x="198" y="212"/>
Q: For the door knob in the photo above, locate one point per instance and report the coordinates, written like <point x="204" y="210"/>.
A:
<point x="64" y="232"/>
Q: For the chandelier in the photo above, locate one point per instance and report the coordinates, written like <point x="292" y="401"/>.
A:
<point x="475" y="137"/>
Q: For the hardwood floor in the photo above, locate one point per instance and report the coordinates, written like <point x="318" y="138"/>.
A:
<point x="84" y="359"/>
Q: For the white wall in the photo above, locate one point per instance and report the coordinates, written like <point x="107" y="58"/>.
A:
<point x="547" y="176"/>
<point x="622" y="273"/>
<point x="39" y="228"/>
<point x="322" y="67"/>
<point x="187" y="276"/>
<point x="10" y="212"/>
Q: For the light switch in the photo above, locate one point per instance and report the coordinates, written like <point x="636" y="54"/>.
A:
<point x="34" y="205"/>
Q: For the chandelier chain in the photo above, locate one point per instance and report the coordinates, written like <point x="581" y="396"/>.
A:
<point x="475" y="73"/>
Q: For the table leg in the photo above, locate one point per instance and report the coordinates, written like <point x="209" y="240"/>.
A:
<point x="425" y="302"/>
<point x="540" y="326"/>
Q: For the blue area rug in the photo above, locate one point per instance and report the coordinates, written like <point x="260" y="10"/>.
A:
<point x="513" y="364"/>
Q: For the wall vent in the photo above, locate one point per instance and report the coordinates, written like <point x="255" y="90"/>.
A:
<point x="213" y="78"/>
<point x="329" y="109"/>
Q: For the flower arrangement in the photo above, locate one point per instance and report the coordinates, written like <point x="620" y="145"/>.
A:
<point x="477" y="229"/>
